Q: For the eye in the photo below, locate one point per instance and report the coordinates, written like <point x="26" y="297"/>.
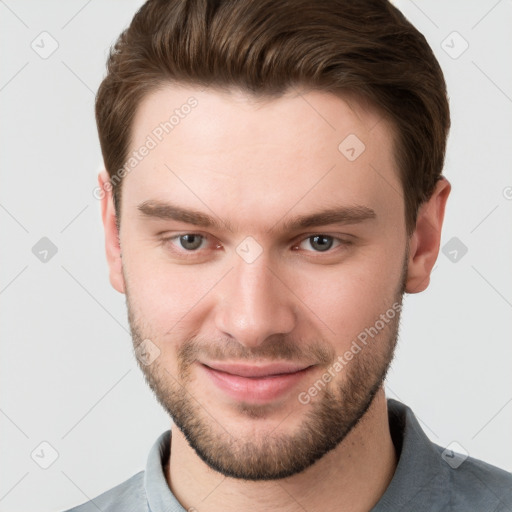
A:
<point x="193" y="243"/>
<point x="186" y="242"/>
<point x="190" y="241"/>
<point x="320" y="243"/>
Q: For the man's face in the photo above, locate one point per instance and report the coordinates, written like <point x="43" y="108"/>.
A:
<point x="248" y="312"/>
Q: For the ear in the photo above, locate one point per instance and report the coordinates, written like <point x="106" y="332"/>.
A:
<point x="112" y="243"/>
<point x="426" y="238"/>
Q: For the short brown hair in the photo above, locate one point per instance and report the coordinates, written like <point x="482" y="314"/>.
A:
<point x="266" y="47"/>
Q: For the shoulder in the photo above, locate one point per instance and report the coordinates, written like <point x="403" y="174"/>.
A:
<point x="431" y="478"/>
<point x="475" y="484"/>
<point x="128" y="496"/>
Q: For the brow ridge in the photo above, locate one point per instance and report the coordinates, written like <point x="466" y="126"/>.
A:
<point x="334" y="215"/>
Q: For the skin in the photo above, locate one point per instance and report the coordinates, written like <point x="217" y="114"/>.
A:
<point x="256" y="166"/>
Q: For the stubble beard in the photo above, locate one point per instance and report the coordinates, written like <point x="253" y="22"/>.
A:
<point x="263" y="455"/>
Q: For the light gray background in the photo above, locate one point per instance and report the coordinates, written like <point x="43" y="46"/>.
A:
<point x="68" y="376"/>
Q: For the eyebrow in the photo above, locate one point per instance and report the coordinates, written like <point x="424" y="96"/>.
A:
<point x="328" y="216"/>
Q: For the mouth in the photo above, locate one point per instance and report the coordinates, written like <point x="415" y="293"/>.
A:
<point x="252" y="383"/>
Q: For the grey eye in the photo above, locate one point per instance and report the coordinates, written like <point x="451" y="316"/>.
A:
<point x="191" y="242"/>
<point x="321" y="242"/>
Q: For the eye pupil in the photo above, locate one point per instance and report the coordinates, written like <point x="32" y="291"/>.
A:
<point x="191" y="242"/>
<point x="321" y="242"/>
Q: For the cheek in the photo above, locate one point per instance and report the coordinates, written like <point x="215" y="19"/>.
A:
<point x="350" y="297"/>
<point x="166" y="295"/>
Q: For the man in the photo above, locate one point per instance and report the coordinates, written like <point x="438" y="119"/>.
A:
<point x="273" y="186"/>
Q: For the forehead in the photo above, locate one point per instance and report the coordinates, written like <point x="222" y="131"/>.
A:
<point x="236" y="155"/>
<point x="298" y="115"/>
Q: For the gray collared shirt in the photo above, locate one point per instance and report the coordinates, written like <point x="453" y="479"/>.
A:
<point x="427" y="478"/>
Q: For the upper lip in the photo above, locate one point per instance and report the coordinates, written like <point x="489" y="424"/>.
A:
<point x="265" y="370"/>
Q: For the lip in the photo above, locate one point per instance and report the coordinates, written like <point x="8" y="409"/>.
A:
<point x="254" y="371"/>
<point x="253" y="383"/>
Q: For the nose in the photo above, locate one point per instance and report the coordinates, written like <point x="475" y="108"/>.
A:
<point x="255" y="303"/>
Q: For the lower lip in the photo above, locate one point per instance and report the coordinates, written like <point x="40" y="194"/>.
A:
<point x="259" y="389"/>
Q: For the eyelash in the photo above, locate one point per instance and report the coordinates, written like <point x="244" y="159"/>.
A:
<point x="339" y="242"/>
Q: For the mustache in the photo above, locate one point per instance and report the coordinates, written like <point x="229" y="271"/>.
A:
<point x="275" y="348"/>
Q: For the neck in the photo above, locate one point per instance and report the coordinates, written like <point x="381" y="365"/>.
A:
<point x="352" y="477"/>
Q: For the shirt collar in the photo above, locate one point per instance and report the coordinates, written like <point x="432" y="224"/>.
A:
<point x="420" y="466"/>
<point x="160" y="498"/>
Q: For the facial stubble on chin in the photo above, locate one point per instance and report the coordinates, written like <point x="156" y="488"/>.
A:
<point x="277" y="454"/>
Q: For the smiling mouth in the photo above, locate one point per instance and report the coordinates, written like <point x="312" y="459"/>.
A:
<point x="256" y="383"/>
<point x="256" y="371"/>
